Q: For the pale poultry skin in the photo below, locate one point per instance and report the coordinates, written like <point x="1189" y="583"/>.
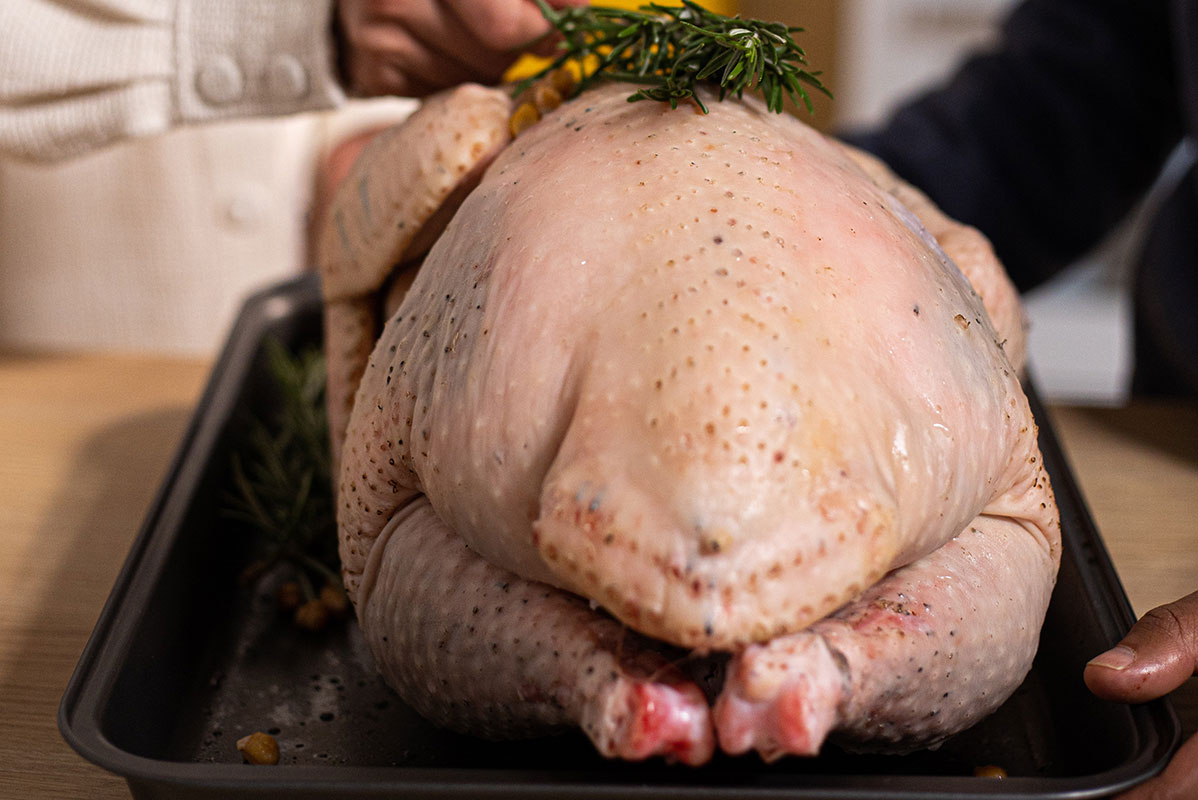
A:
<point x="711" y="374"/>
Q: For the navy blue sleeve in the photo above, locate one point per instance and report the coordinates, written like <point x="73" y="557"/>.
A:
<point x="1046" y="141"/>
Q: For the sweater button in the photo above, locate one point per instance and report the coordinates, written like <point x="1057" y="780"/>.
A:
<point x="287" y="78"/>
<point x="220" y="81"/>
<point x="247" y="208"/>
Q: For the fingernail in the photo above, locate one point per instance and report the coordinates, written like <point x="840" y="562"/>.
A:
<point x="1118" y="657"/>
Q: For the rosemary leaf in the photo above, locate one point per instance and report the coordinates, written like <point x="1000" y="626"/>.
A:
<point x="281" y="484"/>
<point x="671" y="50"/>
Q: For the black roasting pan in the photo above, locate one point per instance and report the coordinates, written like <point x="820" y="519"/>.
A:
<point x="183" y="661"/>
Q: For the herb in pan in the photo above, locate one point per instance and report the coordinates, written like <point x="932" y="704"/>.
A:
<point x="282" y="488"/>
<point x="670" y="50"/>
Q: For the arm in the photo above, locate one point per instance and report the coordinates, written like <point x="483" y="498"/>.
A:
<point x="77" y="76"/>
<point x="1047" y="141"/>
<point x="74" y="77"/>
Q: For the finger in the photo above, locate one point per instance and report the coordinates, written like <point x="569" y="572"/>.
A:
<point x="1158" y="654"/>
<point x="484" y="37"/>
<point x="388" y="54"/>
<point x="454" y="36"/>
<point x="391" y="60"/>
<point x="371" y="76"/>
<point x="545" y="46"/>
<point x="1179" y="781"/>
<point x="504" y="25"/>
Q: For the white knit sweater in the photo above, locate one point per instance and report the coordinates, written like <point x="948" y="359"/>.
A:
<point x="111" y="239"/>
<point x="77" y="74"/>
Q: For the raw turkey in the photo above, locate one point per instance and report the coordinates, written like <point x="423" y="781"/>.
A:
<point x="665" y="383"/>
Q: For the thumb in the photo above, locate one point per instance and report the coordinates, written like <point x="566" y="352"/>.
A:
<point x="1158" y="654"/>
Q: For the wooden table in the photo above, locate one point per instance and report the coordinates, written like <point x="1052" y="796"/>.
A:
<point x="87" y="439"/>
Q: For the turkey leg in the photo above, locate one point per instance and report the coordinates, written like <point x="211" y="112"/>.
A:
<point x="932" y="648"/>
<point x="475" y="648"/>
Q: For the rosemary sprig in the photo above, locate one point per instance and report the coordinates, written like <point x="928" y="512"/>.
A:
<point x="672" y="49"/>
<point x="282" y="486"/>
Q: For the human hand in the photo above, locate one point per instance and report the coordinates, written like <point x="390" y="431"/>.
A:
<point x="415" y="47"/>
<point x="1158" y="654"/>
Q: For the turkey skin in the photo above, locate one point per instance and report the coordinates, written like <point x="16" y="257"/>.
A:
<point x="711" y="381"/>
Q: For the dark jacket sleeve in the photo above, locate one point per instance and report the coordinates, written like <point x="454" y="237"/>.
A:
<point x="1046" y="141"/>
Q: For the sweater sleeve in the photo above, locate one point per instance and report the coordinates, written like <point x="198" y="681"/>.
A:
<point x="76" y="75"/>
<point x="1048" y="140"/>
